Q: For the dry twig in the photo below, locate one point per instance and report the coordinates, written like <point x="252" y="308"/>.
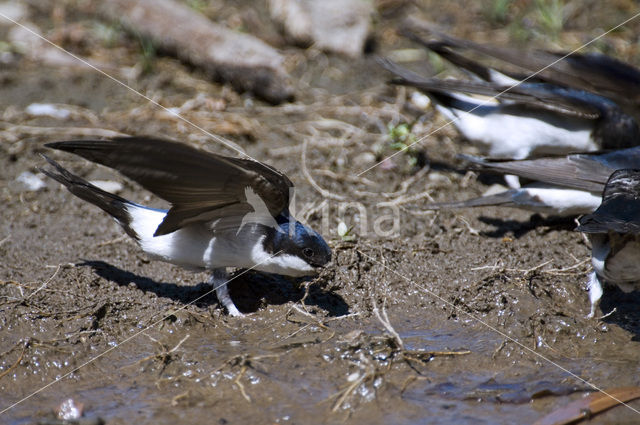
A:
<point x="17" y="362"/>
<point x="325" y="193"/>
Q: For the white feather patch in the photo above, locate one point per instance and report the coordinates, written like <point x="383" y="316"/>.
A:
<point x="196" y="247"/>
<point x="517" y="137"/>
<point x="557" y="201"/>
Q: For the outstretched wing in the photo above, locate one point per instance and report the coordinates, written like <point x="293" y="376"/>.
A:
<point x="201" y="186"/>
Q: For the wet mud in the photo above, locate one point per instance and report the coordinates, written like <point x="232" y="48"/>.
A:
<point x="470" y="316"/>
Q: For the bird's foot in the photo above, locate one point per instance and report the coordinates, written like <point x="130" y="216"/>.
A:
<point x="595" y="293"/>
<point x="219" y="280"/>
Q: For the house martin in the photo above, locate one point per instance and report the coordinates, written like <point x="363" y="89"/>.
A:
<point x="225" y="212"/>
<point x="592" y="72"/>
<point x="562" y="185"/>
<point x="614" y="232"/>
<point x="527" y="120"/>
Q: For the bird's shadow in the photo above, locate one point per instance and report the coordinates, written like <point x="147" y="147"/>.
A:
<point x="626" y="314"/>
<point x="520" y="228"/>
<point x="249" y="290"/>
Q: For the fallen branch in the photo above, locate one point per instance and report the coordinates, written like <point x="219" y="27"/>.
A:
<point x="17" y="362"/>
<point x="591" y="405"/>
<point x="244" y="61"/>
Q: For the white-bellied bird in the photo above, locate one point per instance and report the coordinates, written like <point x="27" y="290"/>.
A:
<point x="225" y="211"/>
<point x="614" y="231"/>
<point x="563" y="185"/>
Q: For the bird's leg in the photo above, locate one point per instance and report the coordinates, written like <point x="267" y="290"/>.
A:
<point x="595" y="293"/>
<point x="218" y="280"/>
<point x="585" y="238"/>
<point x="512" y="181"/>
<point x="306" y="285"/>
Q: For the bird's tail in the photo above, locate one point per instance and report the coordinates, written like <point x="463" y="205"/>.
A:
<point x="503" y="198"/>
<point x="114" y="205"/>
<point x="445" y="45"/>
<point x="442" y="48"/>
<point x="440" y="91"/>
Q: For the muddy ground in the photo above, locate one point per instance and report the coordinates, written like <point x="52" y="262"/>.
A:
<point x="486" y="308"/>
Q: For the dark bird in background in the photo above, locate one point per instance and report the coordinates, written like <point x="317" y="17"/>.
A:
<point x="225" y="212"/>
<point x="529" y="120"/>
<point x="592" y="72"/>
<point x="521" y="120"/>
<point x="562" y="186"/>
<point x="614" y="231"/>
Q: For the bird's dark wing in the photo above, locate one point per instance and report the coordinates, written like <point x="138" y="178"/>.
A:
<point x="538" y="96"/>
<point x="201" y="186"/>
<point x="620" y="208"/>
<point x="502" y="198"/>
<point x="533" y="61"/>
<point x="591" y="72"/>
<point x="584" y="171"/>
<point x="442" y="49"/>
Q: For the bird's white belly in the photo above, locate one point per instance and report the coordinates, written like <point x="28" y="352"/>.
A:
<point x="518" y="137"/>
<point x="191" y="246"/>
<point x="197" y="247"/>
<point x="557" y="201"/>
<point x="623" y="267"/>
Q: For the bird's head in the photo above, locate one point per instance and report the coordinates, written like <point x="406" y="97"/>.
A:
<point x="296" y="250"/>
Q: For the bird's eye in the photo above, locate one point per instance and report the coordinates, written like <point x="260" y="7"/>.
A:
<point x="308" y="252"/>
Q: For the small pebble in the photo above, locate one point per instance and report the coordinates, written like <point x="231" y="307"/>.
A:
<point x="365" y="158"/>
<point x="493" y="189"/>
<point x="28" y="182"/>
<point x="420" y="100"/>
<point x="47" y="109"/>
<point x="108" y="185"/>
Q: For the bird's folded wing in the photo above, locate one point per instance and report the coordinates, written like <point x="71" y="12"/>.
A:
<point x="573" y="172"/>
<point x="586" y="171"/>
<point x="538" y="96"/>
<point x="592" y="72"/>
<point x="502" y="198"/>
<point x="620" y="207"/>
<point x="476" y="68"/>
